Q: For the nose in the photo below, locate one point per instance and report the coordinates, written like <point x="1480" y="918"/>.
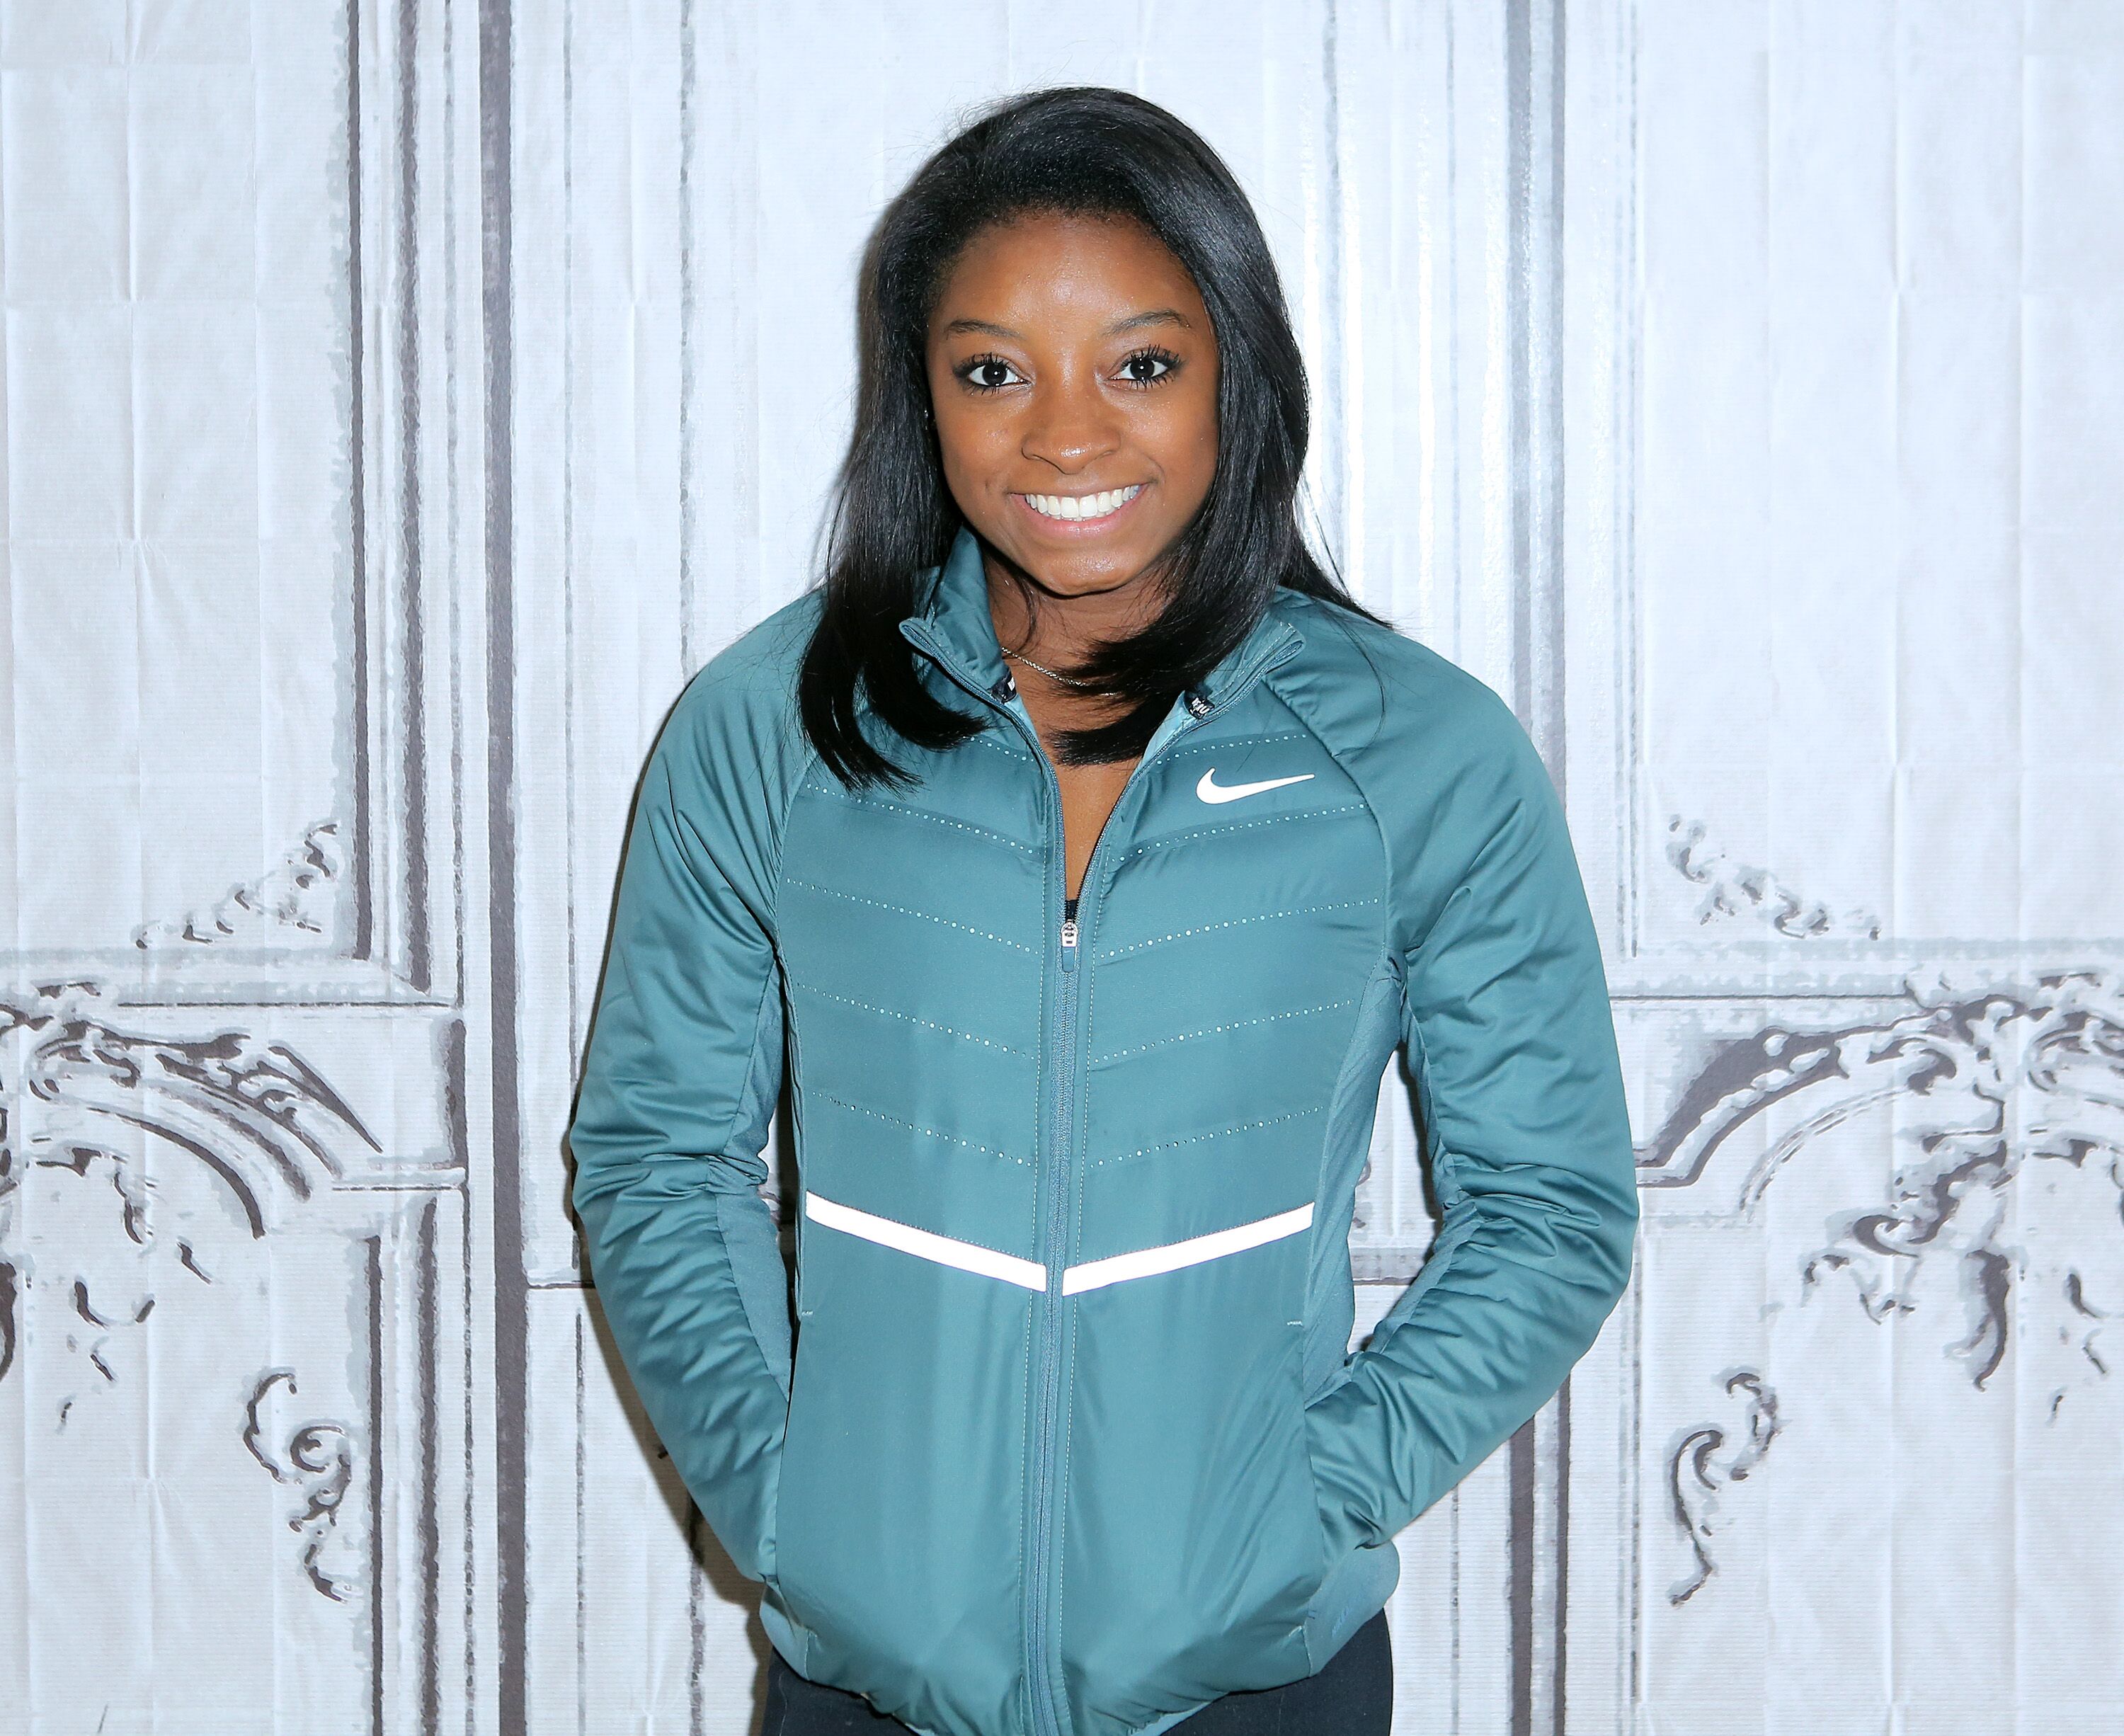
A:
<point x="1072" y="425"/>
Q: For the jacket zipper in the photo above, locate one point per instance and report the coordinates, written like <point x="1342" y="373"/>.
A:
<point x="1048" y="1695"/>
<point x="1051" y="1711"/>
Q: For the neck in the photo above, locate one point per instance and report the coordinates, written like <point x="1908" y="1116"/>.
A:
<point x="1062" y="629"/>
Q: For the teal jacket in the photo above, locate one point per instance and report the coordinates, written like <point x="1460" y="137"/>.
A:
<point x="1072" y="1442"/>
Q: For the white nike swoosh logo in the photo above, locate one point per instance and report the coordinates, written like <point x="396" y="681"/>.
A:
<point x="1212" y="791"/>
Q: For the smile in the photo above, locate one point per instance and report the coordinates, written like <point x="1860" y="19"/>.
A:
<point x="1081" y="509"/>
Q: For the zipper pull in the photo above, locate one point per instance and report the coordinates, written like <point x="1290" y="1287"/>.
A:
<point x="1070" y="943"/>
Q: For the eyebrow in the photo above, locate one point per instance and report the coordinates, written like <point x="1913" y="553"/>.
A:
<point x="1153" y="317"/>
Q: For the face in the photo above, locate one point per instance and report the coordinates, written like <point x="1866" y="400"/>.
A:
<point x="1074" y="374"/>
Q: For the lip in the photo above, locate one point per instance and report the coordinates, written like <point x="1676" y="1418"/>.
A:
<point x="1079" y="527"/>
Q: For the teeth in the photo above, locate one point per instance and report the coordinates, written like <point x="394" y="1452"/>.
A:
<point x="1084" y="506"/>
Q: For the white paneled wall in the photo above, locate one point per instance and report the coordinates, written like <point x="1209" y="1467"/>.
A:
<point x="1875" y="597"/>
<point x="402" y="397"/>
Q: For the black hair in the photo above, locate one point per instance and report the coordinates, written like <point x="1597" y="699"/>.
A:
<point x="1083" y="150"/>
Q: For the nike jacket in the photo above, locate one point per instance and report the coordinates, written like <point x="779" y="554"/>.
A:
<point x="1071" y="1441"/>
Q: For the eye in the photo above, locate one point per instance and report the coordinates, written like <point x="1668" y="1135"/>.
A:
<point x="979" y="364"/>
<point x="1150" y="353"/>
<point x="973" y="371"/>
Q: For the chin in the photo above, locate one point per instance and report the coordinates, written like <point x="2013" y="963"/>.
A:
<point x="1082" y="578"/>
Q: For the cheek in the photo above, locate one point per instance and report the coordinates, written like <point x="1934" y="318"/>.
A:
<point x="958" y="450"/>
<point x="1186" y="435"/>
<point x="967" y="439"/>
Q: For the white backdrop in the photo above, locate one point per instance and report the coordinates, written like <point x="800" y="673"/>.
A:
<point x="402" y="397"/>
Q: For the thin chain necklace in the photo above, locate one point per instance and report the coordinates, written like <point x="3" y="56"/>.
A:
<point x="1067" y="681"/>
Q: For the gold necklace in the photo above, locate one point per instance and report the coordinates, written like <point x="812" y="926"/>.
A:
<point x="1068" y="680"/>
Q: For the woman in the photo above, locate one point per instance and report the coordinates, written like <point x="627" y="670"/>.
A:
<point x="1082" y="853"/>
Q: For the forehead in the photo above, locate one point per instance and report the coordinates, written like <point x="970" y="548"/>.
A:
<point x="1058" y="265"/>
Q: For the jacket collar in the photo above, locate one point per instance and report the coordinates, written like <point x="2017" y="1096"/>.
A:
<point x="952" y="622"/>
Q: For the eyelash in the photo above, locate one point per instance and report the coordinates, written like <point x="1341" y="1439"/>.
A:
<point x="1155" y="352"/>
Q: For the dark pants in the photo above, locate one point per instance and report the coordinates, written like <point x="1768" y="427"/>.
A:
<point x="1353" y="1695"/>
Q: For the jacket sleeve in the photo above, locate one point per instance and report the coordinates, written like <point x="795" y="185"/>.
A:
<point x="679" y="1088"/>
<point x="1512" y="1044"/>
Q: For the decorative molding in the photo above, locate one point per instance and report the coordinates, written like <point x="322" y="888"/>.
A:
<point x="317" y="1458"/>
<point x="1984" y="1086"/>
<point x="293" y="898"/>
<point x="2040" y="1079"/>
<point x="105" y="1301"/>
<point x="253" y="1110"/>
<point x="2044" y="1036"/>
<point x="1735" y="889"/>
<point x="1702" y="1465"/>
<point x="256" y="1116"/>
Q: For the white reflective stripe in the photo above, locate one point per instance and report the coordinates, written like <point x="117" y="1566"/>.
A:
<point x="945" y="1250"/>
<point x="971" y="1257"/>
<point x="1192" y="1252"/>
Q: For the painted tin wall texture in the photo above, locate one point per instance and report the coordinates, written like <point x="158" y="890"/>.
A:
<point x="403" y="397"/>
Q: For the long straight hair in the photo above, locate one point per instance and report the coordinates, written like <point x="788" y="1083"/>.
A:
<point x="1081" y="150"/>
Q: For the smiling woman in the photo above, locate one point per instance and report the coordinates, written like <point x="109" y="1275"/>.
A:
<point x="1077" y="446"/>
<point x="1071" y="300"/>
<point x="1078" y="452"/>
<point x="1083" y="991"/>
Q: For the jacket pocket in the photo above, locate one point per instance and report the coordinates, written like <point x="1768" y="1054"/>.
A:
<point x="802" y="1477"/>
<point x="1358" y="1576"/>
<point x="822" y="1551"/>
<point x="789" y="1631"/>
<point x="790" y="1478"/>
<point x="1192" y="1547"/>
<point x="897" y="1514"/>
